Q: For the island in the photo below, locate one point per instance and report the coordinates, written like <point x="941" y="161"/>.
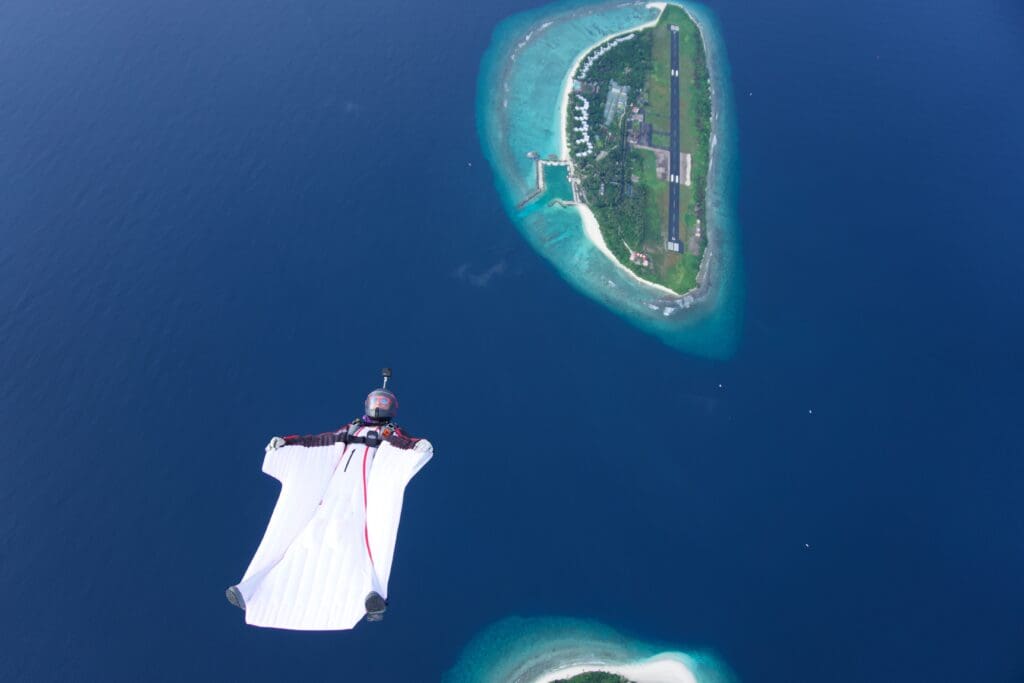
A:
<point x="610" y="132"/>
<point x="638" y="121"/>
<point x="566" y="650"/>
<point x="595" y="677"/>
<point x="662" y="668"/>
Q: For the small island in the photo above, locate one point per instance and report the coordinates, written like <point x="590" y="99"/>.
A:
<point x="563" y="650"/>
<point x="663" y="668"/>
<point x="595" y="677"/>
<point x="638" y="145"/>
<point x="609" y="128"/>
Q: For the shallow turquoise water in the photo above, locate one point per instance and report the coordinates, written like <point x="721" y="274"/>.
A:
<point x="519" y="649"/>
<point x="556" y="185"/>
<point x="519" y="111"/>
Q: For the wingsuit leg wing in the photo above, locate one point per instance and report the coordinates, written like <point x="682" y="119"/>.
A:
<point x="304" y="474"/>
<point x="393" y="468"/>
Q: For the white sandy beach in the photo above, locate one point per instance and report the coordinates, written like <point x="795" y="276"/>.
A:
<point x="665" y="668"/>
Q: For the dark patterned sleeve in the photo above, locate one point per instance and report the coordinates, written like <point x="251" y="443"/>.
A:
<point x="315" y="440"/>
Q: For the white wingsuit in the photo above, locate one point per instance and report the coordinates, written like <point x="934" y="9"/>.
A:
<point x="331" y="538"/>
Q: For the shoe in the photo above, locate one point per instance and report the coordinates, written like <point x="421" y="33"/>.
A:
<point x="234" y="596"/>
<point x="375" y="607"/>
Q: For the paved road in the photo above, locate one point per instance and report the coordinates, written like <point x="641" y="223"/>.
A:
<point x="674" y="243"/>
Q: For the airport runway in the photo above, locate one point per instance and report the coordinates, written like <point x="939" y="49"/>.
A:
<point x="674" y="243"/>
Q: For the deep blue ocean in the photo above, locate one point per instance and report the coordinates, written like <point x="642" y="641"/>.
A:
<point x="219" y="219"/>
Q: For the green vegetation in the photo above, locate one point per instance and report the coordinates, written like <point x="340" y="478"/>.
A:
<point x="614" y="199"/>
<point x="619" y="181"/>
<point x="628" y="63"/>
<point x="594" y="677"/>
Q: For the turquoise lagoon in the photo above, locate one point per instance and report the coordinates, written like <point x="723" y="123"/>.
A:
<point x="519" y="650"/>
<point x="519" y="111"/>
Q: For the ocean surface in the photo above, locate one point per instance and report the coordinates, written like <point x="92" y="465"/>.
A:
<point x="219" y="219"/>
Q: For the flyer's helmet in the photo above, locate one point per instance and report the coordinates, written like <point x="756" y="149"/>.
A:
<point x="381" y="404"/>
